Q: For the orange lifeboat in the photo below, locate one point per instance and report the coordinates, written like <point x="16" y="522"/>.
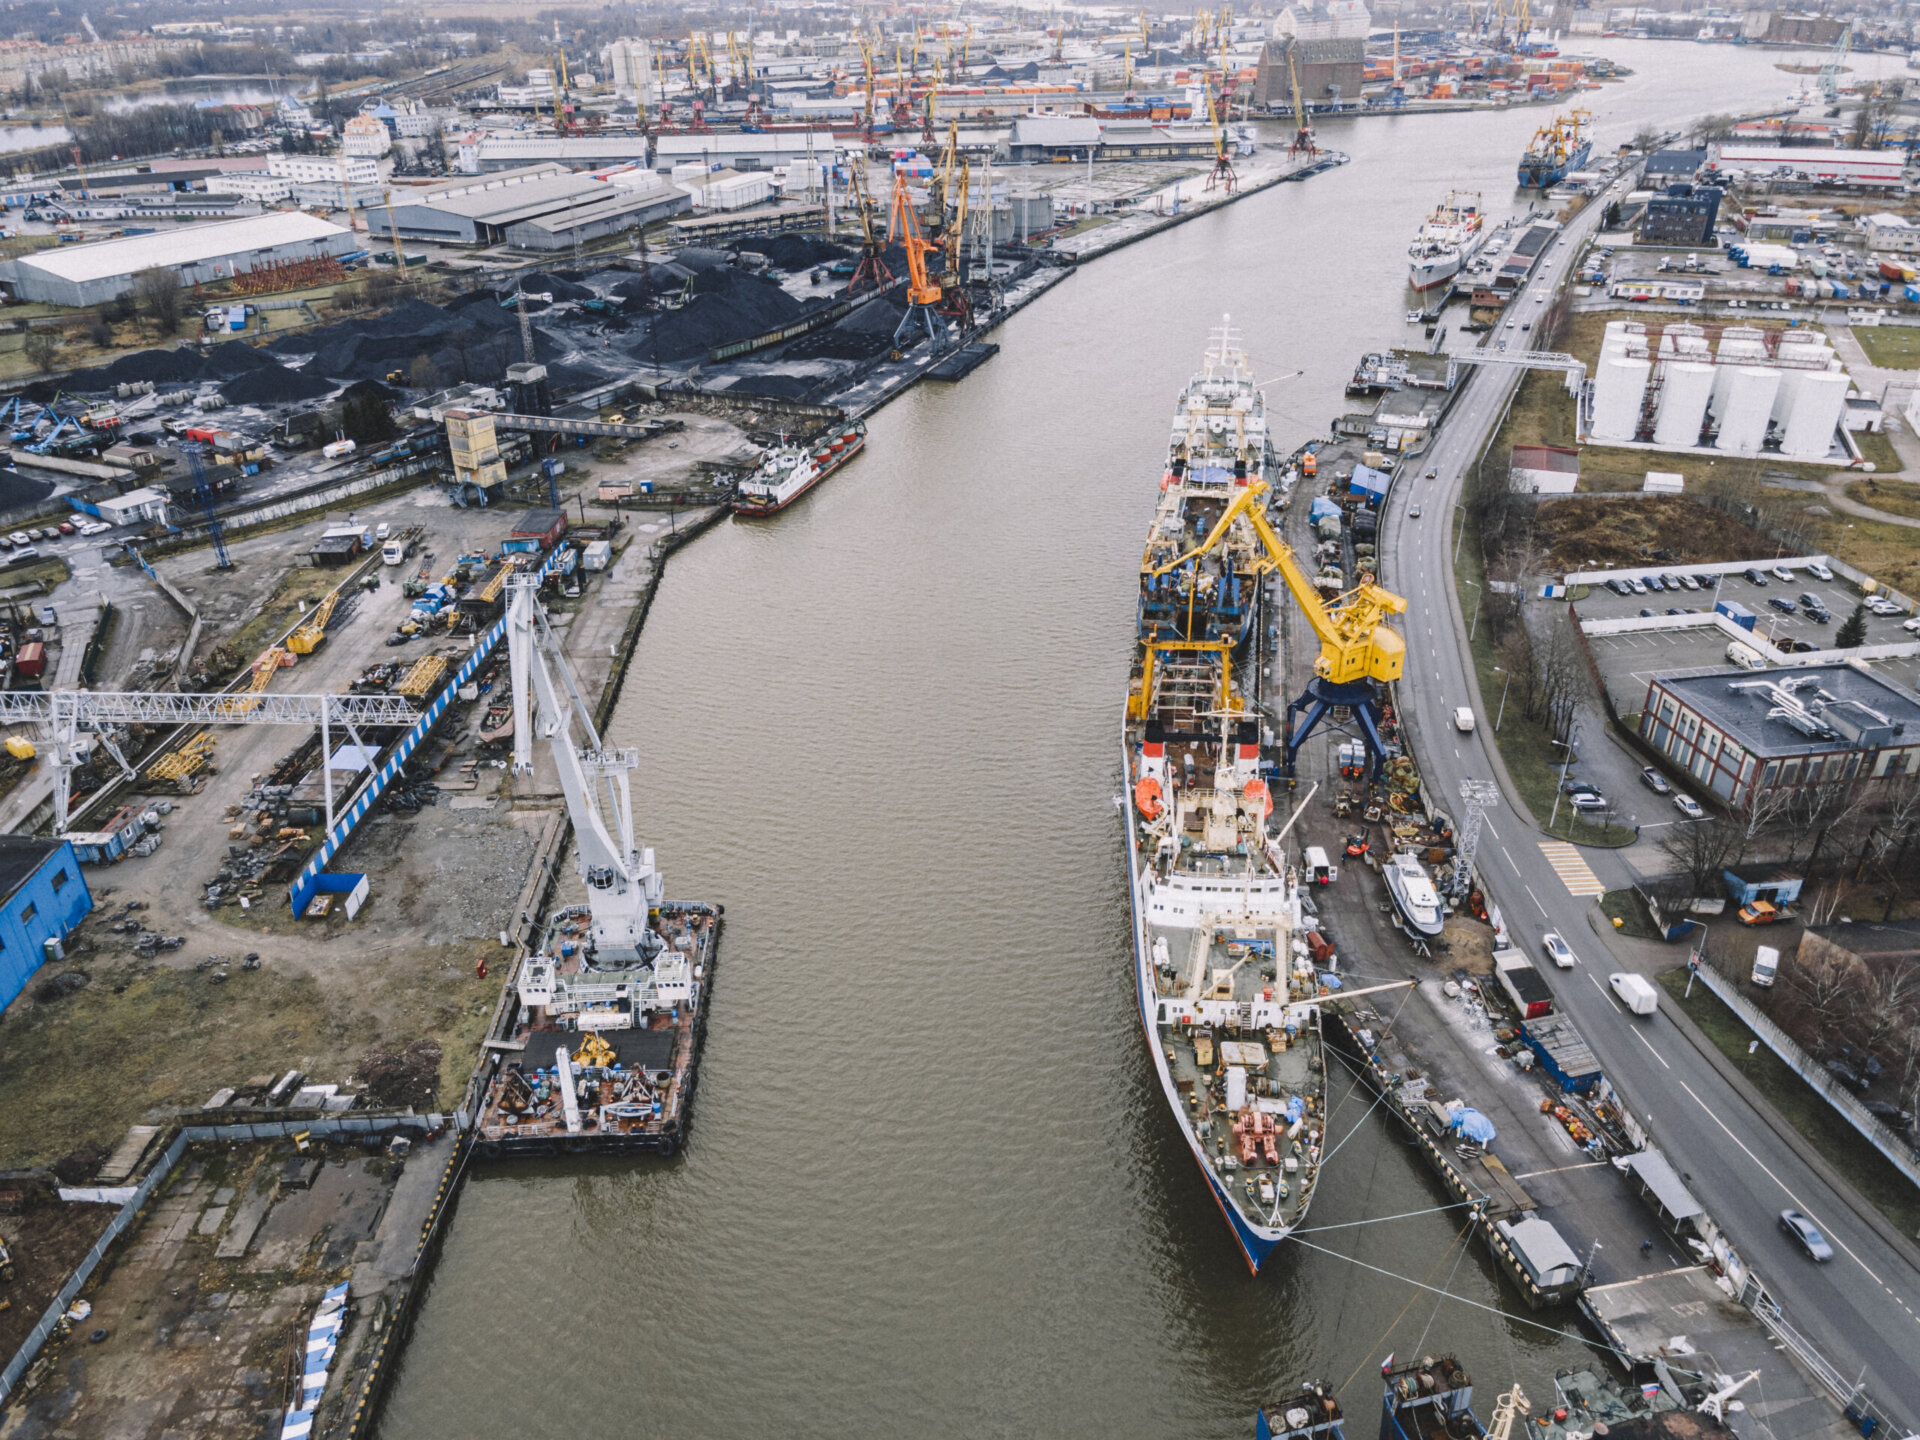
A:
<point x="1256" y="793"/>
<point x="1146" y="797"/>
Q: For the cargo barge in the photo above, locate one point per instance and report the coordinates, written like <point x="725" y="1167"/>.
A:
<point x="602" y="1058"/>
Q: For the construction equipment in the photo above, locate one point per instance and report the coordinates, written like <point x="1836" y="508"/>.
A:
<point x="866" y="119"/>
<point x="1358" y="651"/>
<point x="1221" y="177"/>
<point x="203" y="492"/>
<point x="1830" y="71"/>
<point x="422" y="676"/>
<point x="393" y="233"/>
<point x="872" y="272"/>
<point x="923" y="295"/>
<point x="186" y="762"/>
<point x="1303" y="141"/>
<point x="307" y="638"/>
<point x="270" y="661"/>
<point x="595" y="1052"/>
<point x="954" y="302"/>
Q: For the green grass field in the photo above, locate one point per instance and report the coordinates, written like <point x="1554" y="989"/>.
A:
<point x="1893" y="347"/>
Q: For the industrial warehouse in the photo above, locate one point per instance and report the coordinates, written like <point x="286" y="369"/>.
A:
<point x="540" y="207"/>
<point x="224" y="250"/>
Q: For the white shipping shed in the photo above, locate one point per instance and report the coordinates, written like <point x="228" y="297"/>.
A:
<point x="93" y="274"/>
<point x="146" y="503"/>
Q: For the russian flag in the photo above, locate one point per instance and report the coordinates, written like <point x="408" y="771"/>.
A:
<point x="1386" y="1365"/>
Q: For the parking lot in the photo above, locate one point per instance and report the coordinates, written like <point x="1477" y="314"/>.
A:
<point x="1629" y="661"/>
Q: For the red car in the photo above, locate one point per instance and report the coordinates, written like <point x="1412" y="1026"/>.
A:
<point x="66" y="527"/>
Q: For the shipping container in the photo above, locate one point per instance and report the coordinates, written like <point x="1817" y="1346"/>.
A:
<point x="31" y="661"/>
<point x="1524" y="985"/>
<point x="1736" y="612"/>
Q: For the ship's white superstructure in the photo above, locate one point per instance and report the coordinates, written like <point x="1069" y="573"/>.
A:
<point x="1447" y="240"/>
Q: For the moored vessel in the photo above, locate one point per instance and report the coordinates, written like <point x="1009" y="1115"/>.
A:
<point x="1228" y="999"/>
<point x="789" y="471"/>
<point x="1447" y="239"/>
<point x="1556" y="151"/>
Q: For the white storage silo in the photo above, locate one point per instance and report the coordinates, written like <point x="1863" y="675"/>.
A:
<point x="1815" y="415"/>
<point x="1618" y="388"/>
<point x="1746" y="409"/>
<point x="1683" y="403"/>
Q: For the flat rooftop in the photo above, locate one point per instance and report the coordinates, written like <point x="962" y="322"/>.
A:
<point x="1750" y="707"/>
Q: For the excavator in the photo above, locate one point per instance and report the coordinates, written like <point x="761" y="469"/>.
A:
<point x="1358" y="651"/>
<point x="872" y="272"/>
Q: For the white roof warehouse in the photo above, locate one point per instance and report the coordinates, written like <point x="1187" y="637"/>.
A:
<point x="104" y="270"/>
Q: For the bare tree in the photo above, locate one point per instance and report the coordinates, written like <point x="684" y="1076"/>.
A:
<point x="42" y="349"/>
<point x="1820" y="987"/>
<point x="1701" y="851"/>
<point x="157" y="290"/>
<point x="425" y="375"/>
<point x="1763" y="808"/>
<point x="1885" y="1006"/>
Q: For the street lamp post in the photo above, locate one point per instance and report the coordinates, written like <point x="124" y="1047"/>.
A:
<point x="1503" y="697"/>
<point x="1463" y="533"/>
<point x="1573" y="738"/>
<point x="1474" y="629"/>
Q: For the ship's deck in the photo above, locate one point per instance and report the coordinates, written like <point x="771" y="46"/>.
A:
<point x="655" y="1062"/>
<point x="1280" y="1068"/>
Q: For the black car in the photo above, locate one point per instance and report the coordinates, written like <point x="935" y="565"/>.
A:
<point x="1656" y="782"/>
<point x="1754" y="577"/>
<point x="1783" y="604"/>
<point x="1645" y="613"/>
<point x="1811" y="600"/>
<point x="1818" y="614"/>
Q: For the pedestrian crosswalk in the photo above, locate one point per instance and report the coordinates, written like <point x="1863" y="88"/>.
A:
<point x="1573" y="871"/>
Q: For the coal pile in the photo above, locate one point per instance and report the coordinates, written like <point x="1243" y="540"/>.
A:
<point x="860" y="336"/>
<point x="557" y="285"/>
<point x="795" y="252"/>
<point x="17" y="490"/>
<point x="475" y="342"/>
<point x="727" y="305"/>
<point x="275" y="385"/>
<point x="774" y="387"/>
<point x="162" y="367"/>
<point x="236" y="357"/>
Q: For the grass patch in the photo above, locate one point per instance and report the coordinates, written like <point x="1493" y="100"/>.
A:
<point x="1625" y="907"/>
<point x="87" y="1066"/>
<point x="1533" y="761"/>
<point x="1801" y="1106"/>
<point x="1896" y="497"/>
<point x="1892" y="347"/>
<point x="1879" y="449"/>
<point x="1889" y="553"/>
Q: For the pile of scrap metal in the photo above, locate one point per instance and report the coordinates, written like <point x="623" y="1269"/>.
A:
<point x="405" y="797"/>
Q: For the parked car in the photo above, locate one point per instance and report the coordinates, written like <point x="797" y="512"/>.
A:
<point x="1646" y="613"/>
<point x="1811" y="600"/>
<point x="1675" y="610"/>
<point x="1818" y="571"/>
<point x="1558" y="950"/>
<point x="1688" y="806"/>
<point x="1638" y="585"/>
<point x="66" y="527"/>
<point x="1619" y="586"/>
<point x="1912" y="627"/>
<point x="1807" y="1234"/>
<point x="20" y="537"/>
<point x="1588" y="799"/>
<point x="1754" y="577"/>
<point x="1656" y="782"/>
<point x="1819" y="614"/>
<point x="1783" y="574"/>
<point x="1672" y="582"/>
<point x="1656" y="584"/>
<point x="1692" y="582"/>
<point x="1782" y="604"/>
<point x="1759" y="912"/>
<point x="1880" y="605"/>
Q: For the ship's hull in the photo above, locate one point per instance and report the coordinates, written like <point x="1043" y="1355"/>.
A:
<point x="773" y="505"/>
<point x="1436" y="270"/>
<point x="1256" y="1242"/>
<point x="1539" y="173"/>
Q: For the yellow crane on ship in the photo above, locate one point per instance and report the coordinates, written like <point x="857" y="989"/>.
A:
<point x="1359" y="651"/>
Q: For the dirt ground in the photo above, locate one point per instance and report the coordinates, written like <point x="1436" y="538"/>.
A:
<point x="46" y="1242"/>
<point x="1596" y="533"/>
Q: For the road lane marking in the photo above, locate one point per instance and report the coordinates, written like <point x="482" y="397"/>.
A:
<point x="1798" y="1203"/>
<point x="1572" y="868"/>
<point x="1535" y="898"/>
<point x="1487" y="820"/>
<point x="1516" y="868"/>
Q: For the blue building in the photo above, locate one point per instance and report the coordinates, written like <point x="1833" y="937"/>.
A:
<point x="42" y="897"/>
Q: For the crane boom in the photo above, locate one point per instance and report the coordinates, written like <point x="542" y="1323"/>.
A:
<point x="1355" y="643"/>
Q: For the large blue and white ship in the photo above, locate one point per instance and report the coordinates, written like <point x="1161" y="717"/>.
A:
<point x="1228" y="995"/>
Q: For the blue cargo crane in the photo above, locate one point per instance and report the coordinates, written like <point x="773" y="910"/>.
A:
<point x="203" y="492"/>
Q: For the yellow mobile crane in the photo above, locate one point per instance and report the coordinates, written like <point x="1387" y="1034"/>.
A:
<point x="1358" y="651"/>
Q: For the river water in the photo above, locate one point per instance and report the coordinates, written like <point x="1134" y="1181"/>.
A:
<point x="930" y="1183"/>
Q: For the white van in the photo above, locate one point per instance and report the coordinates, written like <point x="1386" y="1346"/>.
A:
<point x="1320" y="870"/>
<point x="1745" y="656"/>
<point x="1463" y="720"/>
<point x="1635" y="992"/>
<point x="392" y="553"/>
<point x="1766" y="966"/>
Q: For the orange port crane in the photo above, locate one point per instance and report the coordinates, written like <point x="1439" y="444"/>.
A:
<point x="923" y="293"/>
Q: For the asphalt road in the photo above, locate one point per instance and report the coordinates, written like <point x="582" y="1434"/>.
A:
<point x="1859" y="1310"/>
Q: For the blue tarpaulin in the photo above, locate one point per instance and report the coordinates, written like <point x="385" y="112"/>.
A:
<point x="1472" y="1125"/>
<point x="1368" y="481"/>
<point x="1321" y="508"/>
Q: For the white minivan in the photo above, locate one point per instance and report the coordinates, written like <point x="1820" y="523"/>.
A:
<point x="1463" y="720"/>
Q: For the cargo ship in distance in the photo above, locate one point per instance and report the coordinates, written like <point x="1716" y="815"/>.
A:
<point x="1227" y="996"/>
<point x="1557" y="151"/>
<point x="1447" y="240"/>
<point x="790" y="471"/>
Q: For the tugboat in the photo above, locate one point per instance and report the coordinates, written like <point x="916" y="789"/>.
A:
<point x="789" y="471"/>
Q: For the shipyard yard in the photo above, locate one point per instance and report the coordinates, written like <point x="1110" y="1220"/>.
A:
<point x="811" y="817"/>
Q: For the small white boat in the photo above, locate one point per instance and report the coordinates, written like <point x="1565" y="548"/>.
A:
<point x="1413" y="893"/>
